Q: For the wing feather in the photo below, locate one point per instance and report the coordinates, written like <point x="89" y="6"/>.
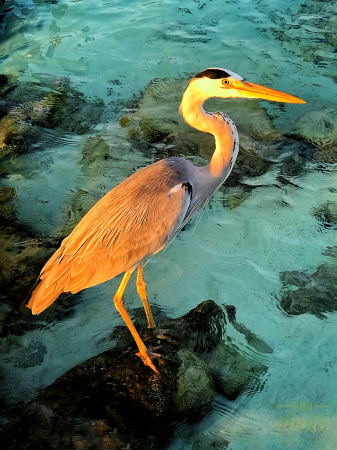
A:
<point x="133" y="220"/>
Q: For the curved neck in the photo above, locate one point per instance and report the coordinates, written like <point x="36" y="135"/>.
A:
<point x="224" y="131"/>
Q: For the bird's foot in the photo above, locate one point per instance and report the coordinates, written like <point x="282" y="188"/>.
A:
<point x="147" y="357"/>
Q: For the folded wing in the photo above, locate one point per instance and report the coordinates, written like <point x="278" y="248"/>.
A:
<point x="132" y="221"/>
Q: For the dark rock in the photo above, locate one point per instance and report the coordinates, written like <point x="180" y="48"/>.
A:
<point x="113" y="401"/>
<point x="248" y="164"/>
<point x="6" y="311"/>
<point x="118" y="392"/>
<point x="315" y="294"/>
<point x="6" y="209"/>
<point x="73" y="113"/>
<point x="203" y="332"/>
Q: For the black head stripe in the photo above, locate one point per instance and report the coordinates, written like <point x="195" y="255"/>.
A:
<point x="214" y="74"/>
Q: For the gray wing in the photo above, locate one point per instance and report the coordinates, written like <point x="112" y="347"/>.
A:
<point x="134" y="220"/>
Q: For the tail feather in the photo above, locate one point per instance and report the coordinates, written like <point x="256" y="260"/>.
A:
<point x="80" y="280"/>
<point x="55" y="259"/>
<point x="54" y="275"/>
<point x="47" y="301"/>
<point x="43" y="296"/>
<point x="76" y="269"/>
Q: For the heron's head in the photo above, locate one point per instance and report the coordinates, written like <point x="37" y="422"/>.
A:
<point x="217" y="82"/>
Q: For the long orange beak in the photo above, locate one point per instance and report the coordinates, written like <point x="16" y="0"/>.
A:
<point x="252" y="90"/>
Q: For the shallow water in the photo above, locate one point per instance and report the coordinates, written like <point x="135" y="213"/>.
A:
<point x="110" y="52"/>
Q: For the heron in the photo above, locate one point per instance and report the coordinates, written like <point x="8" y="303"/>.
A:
<point x="141" y="215"/>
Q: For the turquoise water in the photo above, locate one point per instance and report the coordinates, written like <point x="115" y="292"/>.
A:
<point x="110" y="52"/>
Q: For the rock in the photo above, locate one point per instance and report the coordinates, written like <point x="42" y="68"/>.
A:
<point x="203" y="333"/>
<point x="152" y="131"/>
<point x="30" y="117"/>
<point x="94" y="151"/>
<point x="6" y="209"/>
<point x="195" y="391"/>
<point x="235" y="195"/>
<point x="6" y="311"/>
<point x="113" y="401"/>
<point x="27" y="112"/>
<point x="22" y="256"/>
<point x="31" y="357"/>
<point x="75" y="208"/>
<point x="315" y="294"/>
<point x="319" y="128"/>
<point x="248" y="164"/>
<point x="327" y="214"/>
<point x="73" y="112"/>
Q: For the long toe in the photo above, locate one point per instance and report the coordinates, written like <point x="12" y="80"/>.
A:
<point x="148" y="357"/>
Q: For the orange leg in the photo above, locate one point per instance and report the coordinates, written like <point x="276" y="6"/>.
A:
<point x="141" y="289"/>
<point x="145" y="354"/>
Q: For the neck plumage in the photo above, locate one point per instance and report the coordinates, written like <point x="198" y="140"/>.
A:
<point x="224" y="131"/>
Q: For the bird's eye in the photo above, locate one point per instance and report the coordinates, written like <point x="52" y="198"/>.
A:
<point x="224" y="81"/>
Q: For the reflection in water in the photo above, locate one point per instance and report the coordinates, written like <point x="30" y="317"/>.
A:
<point x="88" y="96"/>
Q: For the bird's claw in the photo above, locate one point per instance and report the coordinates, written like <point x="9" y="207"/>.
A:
<point x="148" y="357"/>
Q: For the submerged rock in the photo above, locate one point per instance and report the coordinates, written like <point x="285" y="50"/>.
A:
<point x="311" y="293"/>
<point x="33" y="115"/>
<point x="203" y="331"/>
<point x="94" y="151"/>
<point x="113" y="401"/>
<point x="327" y="214"/>
<point x="30" y="116"/>
<point x="310" y="34"/>
<point x="319" y="128"/>
<point x="75" y="208"/>
<point x="22" y="256"/>
<point x="116" y="391"/>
